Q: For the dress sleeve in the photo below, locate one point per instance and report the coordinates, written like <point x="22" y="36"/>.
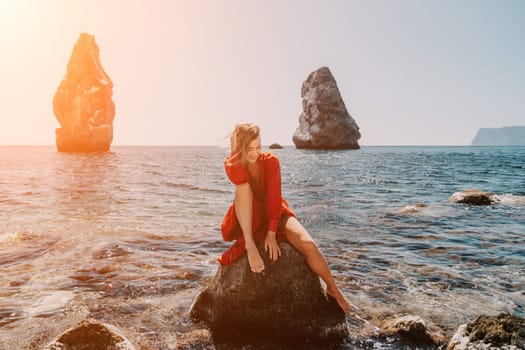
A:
<point x="273" y="194"/>
<point x="234" y="169"/>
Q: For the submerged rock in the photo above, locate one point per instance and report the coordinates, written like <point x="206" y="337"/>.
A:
<point x="324" y="123"/>
<point x="83" y="104"/>
<point x="472" y="196"/>
<point x="411" y="209"/>
<point x="285" y="302"/>
<point x="90" y="335"/>
<point x="504" y="331"/>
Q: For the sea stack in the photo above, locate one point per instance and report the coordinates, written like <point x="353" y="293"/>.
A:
<point x="324" y="123"/>
<point x="83" y="104"/>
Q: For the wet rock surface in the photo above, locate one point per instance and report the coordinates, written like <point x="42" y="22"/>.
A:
<point x="503" y="331"/>
<point x="284" y="303"/>
<point x="413" y="330"/>
<point x="90" y="335"/>
<point x="473" y="196"/>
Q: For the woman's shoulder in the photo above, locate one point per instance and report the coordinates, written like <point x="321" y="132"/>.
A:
<point x="269" y="157"/>
<point x="270" y="160"/>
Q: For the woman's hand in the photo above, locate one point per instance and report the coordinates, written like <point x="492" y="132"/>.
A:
<point x="271" y="246"/>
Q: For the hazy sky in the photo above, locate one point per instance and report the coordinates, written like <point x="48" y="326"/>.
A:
<point x="416" y="72"/>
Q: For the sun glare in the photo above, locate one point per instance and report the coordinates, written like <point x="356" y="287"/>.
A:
<point x="5" y="5"/>
<point x="8" y="9"/>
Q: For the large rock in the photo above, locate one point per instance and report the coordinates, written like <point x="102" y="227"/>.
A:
<point x="472" y="196"/>
<point x="477" y="197"/>
<point x="83" y="103"/>
<point x="504" y="331"/>
<point x="285" y="302"/>
<point x="414" y="330"/>
<point x="90" y="335"/>
<point x="324" y="123"/>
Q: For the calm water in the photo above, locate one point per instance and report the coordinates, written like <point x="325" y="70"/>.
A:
<point x="130" y="237"/>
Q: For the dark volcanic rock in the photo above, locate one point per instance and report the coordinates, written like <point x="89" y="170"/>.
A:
<point x="83" y="104"/>
<point x="285" y="301"/>
<point x="504" y="331"/>
<point x="324" y="123"/>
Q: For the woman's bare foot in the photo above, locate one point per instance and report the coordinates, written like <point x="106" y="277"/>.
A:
<point x="344" y="304"/>
<point x="255" y="260"/>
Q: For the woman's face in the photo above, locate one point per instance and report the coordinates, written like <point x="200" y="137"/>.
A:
<point x="253" y="150"/>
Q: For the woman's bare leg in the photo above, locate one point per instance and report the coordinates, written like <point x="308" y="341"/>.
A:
<point x="243" y="204"/>
<point x="297" y="236"/>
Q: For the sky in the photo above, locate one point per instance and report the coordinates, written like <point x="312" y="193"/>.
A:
<point x="410" y="72"/>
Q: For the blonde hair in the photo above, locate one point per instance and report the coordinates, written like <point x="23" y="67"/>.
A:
<point x="245" y="133"/>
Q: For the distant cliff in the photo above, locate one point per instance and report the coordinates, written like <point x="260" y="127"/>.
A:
<point x="506" y="136"/>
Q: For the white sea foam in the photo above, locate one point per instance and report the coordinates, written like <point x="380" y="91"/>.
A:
<point x="49" y="303"/>
<point x="508" y="199"/>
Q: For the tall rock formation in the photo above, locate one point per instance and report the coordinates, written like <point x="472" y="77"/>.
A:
<point x="324" y="123"/>
<point x="506" y="136"/>
<point x="83" y="103"/>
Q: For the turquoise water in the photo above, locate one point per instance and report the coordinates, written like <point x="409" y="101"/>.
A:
<point x="130" y="237"/>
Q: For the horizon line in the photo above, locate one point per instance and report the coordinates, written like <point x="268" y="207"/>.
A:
<point x="265" y="146"/>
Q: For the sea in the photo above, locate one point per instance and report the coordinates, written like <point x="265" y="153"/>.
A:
<point x="130" y="237"/>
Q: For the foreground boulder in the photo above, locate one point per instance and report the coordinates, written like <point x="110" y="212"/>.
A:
<point x="285" y="301"/>
<point x="324" y="123"/>
<point x="504" y="331"/>
<point x="473" y="196"/>
<point x="90" y="335"/>
<point x="83" y="104"/>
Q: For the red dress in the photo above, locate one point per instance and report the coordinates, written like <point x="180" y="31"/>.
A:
<point x="268" y="205"/>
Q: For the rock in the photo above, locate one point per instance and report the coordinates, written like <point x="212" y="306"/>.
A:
<point x="285" y="302"/>
<point x="83" y="104"/>
<point x="459" y="340"/>
<point x="506" y="136"/>
<point x="90" y="335"/>
<point x="275" y="146"/>
<point x="414" y="330"/>
<point x="324" y="123"/>
<point x="411" y="209"/>
<point x="504" y="331"/>
<point x="472" y="196"/>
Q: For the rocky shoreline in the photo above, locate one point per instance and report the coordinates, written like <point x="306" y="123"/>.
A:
<point x="241" y="310"/>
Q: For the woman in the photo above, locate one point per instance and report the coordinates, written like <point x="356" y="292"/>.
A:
<point x="259" y="213"/>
